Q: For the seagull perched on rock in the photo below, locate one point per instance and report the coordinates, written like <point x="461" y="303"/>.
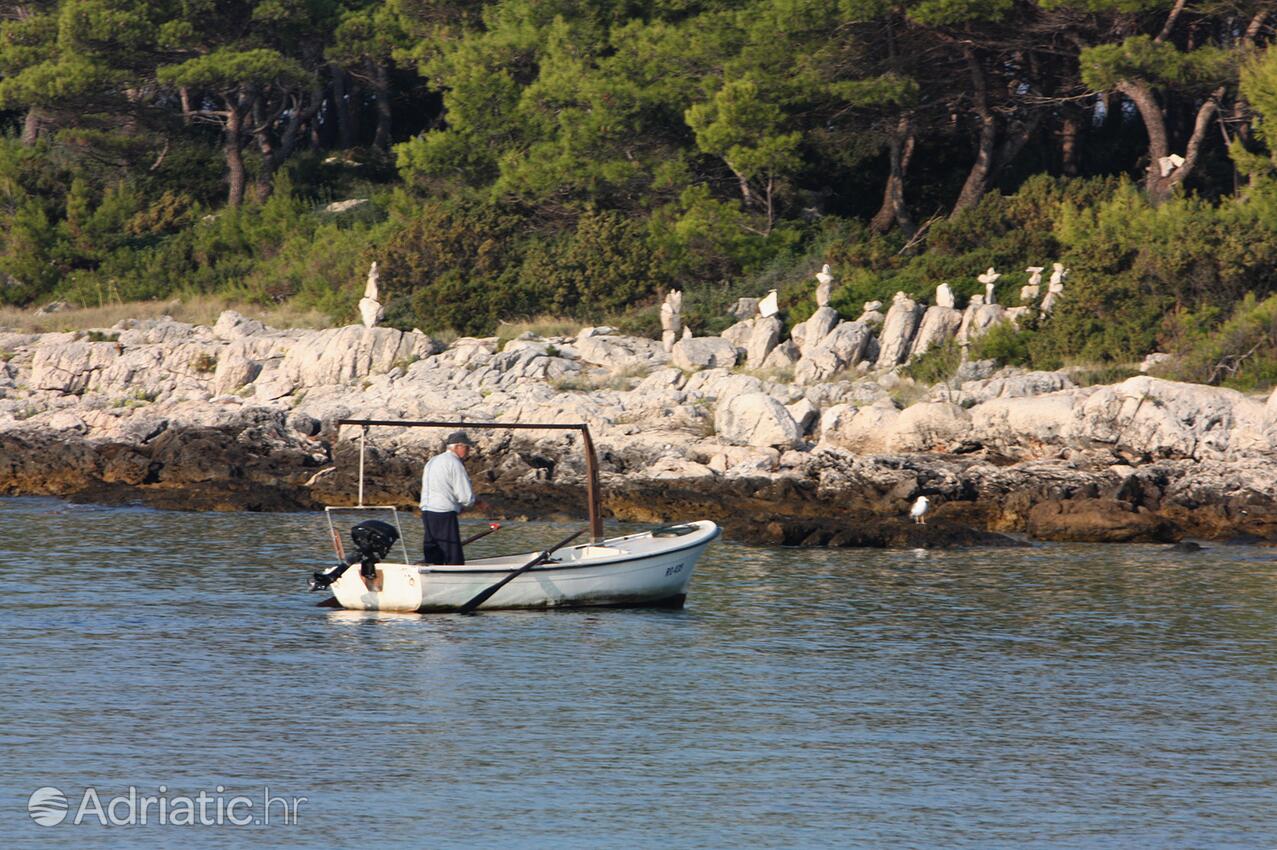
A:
<point x="919" y="510"/>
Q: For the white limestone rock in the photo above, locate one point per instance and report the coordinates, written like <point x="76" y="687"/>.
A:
<point x="743" y="309"/>
<point x="930" y="427"/>
<point x="815" y="328"/>
<point x="939" y="324"/>
<point x="709" y="352"/>
<point x="342" y="355"/>
<point x="863" y="430"/>
<point x="782" y="357"/>
<point x="235" y="368"/>
<point x="674" y="468"/>
<point x="739" y="333"/>
<point x="756" y="419"/>
<point x="230" y="325"/>
<point x="1021" y="426"/>
<point x="619" y="352"/>
<point x="762" y="339"/>
<point x="898" y="330"/>
<point x="824" y="286"/>
<point x="841" y="348"/>
<point x="944" y="296"/>
<point x="1171" y="419"/>
<point x="70" y="367"/>
<point x="805" y="414"/>
<point x="978" y="318"/>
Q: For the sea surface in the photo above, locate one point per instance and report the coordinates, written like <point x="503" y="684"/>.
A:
<point x="1054" y="697"/>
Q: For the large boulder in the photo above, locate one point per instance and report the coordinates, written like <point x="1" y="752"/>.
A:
<point x="232" y="325"/>
<point x="235" y="368"/>
<point x="739" y="333"/>
<point x="762" y="339"/>
<point x="1098" y="521"/>
<point x="978" y="318"/>
<point x="898" y="330"/>
<point x="939" y="325"/>
<point x="812" y="331"/>
<point x="839" y="349"/>
<point x="1015" y="384"/>
<point x="707" y="352"/>
<point x="70" y="367"/>
<point x="783" y="356"/>
<point x="342" y="355"/>
<point x="620" y="352"/>
<point x="864" y="430"/>
<point x="930" y="426"/>
<point x="1170" y="419"/>
<point x="1026" y="427"/>
<point x="756" y="419"/>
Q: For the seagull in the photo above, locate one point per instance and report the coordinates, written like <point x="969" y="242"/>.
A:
<point x="919" y="510"/>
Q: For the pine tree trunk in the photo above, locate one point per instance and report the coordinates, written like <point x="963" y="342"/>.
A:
<point x="893" y="210"/>
<point x="1139" y="93"/>
<point x="31" y="127"/>
<point x="1070" y="130"/>
<point x="234" y="148"/>
<point x="342" y="105"/>
<point x="381" y="139"/>
<point x="977" y="182"/>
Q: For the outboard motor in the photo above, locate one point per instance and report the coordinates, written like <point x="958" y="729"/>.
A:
<point x="373" y="540"/>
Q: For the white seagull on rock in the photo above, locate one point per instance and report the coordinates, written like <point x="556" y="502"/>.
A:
<point x="919" y="510"/>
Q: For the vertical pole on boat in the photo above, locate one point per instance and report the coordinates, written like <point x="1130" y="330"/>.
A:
<point x="592" y="486"/>
<point x="363" y="433"/>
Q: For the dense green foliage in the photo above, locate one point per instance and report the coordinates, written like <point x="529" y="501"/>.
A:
<point x="580" y="157"/>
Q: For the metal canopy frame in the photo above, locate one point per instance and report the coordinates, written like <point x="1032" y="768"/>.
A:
<point x="592" y="495"/>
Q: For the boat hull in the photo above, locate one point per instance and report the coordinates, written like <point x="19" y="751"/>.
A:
<point x="638" y="570"/>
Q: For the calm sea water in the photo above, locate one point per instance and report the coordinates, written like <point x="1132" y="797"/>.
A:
<point x="1061" y="696"/>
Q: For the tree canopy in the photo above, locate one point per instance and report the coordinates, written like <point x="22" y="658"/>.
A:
<point x="578" y="156"/>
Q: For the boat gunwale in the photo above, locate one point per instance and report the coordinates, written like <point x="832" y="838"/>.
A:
<point x="444" y="569"/>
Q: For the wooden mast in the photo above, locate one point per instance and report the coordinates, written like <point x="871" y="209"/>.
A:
<point x="593" y="494"/>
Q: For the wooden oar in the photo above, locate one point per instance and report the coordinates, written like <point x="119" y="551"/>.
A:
<point x="492" y="526"/>
<point x="485" y="595"/>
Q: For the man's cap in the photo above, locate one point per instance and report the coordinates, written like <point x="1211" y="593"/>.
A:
<point x="460" y="438"/>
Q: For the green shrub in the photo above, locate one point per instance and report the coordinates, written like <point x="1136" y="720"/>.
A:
<point x="936" y="365"/>
<point x="1005" y="343"/>
<point x="1241" y="352"/>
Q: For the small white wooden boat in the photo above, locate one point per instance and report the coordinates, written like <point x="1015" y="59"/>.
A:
<point x="651" y="568"/>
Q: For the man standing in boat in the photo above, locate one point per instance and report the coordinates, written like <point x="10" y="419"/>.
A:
<point x="445" y="492"/>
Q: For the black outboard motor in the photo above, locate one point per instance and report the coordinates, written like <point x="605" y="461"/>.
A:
<point x="373" y="540"/>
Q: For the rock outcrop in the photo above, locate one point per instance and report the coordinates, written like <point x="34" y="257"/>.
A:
<point x="241" y="416"/>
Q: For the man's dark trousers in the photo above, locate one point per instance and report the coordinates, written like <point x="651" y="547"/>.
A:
<point x="443" y="538"/>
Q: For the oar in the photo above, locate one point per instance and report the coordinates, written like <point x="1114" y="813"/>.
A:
<point x="485" y="595"/>
<point x="492" y="526"/>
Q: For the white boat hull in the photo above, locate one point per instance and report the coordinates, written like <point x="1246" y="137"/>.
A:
<point x="639" y="569"/>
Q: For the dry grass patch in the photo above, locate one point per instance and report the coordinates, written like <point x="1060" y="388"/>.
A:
<point x="542" y="326"/>
<point x="196" y="310"/>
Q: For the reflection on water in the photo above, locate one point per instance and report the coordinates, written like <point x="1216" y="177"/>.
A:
<point x="1063" y="696"/>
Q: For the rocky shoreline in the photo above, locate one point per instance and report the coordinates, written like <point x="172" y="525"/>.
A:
<point x="242" y="417"/>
